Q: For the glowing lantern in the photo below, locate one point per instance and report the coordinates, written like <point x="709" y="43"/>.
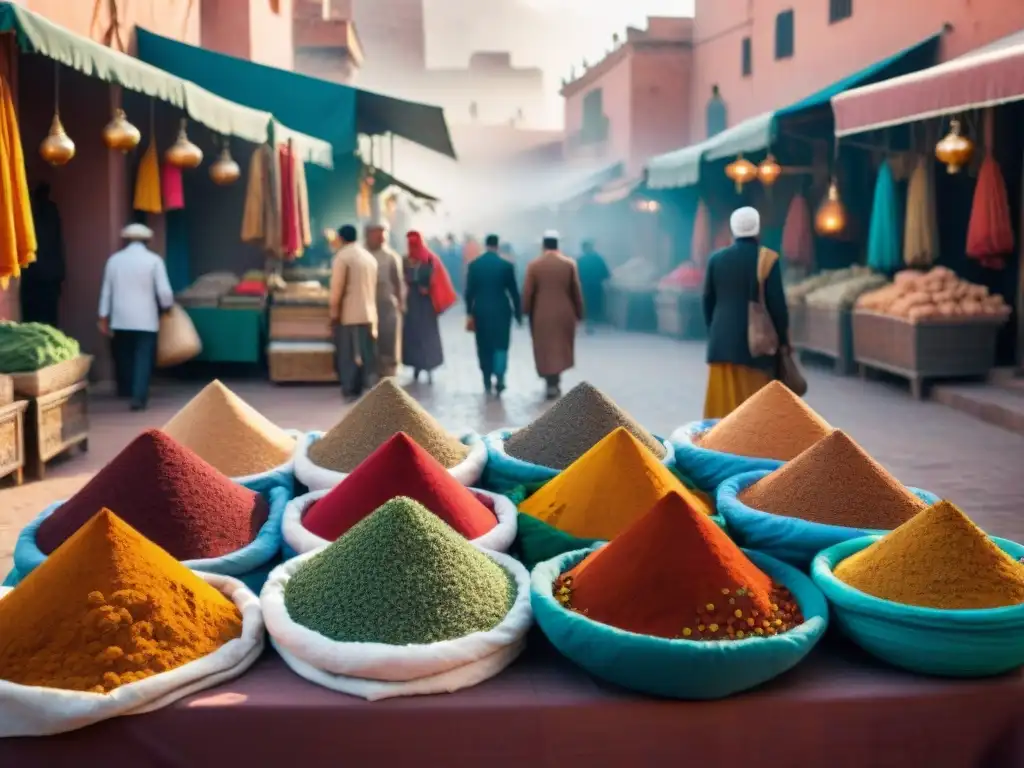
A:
<point x="830" y="219"/>
<point x="183" y="153"/>
<point x="769" y="170"/>
<point x="742" y="171"/>
<point x="955" y="149"/>
<point x="57" y="148"/>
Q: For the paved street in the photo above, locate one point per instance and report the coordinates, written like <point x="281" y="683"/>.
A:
<point x="660" y="381"/>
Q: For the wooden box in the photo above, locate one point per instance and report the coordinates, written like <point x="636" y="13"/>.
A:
<point x="827" y="332"/>
<point x="299" y="322"/>
<point x="12" y="440"/>
<point x="53" y="377"/>
<point x="56" y="423"/>
<point x="301" y="362"/>
<point x="6" y="390"/>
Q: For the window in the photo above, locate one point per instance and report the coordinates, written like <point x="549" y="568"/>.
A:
<point x="839" y="10"/>
<point x="717" y="115"/>
<point x="784" y="35"/>
<point x="746" y="57"/>
<point x="595" y="125"/>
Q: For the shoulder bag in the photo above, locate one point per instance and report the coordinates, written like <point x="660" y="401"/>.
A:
<point x="762" y="338"/>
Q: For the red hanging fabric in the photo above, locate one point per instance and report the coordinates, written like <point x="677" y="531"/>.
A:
<point x="291" y="241"/>
<point x="700" y="243"/>
<point x="798" y="233"/>
<point x="990" y="233"/>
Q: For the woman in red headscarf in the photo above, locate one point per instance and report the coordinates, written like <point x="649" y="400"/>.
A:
<point x="430" y="294"/>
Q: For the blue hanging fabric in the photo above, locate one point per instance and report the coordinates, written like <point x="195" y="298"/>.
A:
<point x="885" y="236"/>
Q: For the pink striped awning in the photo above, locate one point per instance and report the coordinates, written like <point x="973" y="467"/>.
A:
<point x="991" y="75"/>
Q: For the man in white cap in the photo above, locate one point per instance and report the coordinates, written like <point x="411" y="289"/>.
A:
<point x="390" y="298"/>
<point x="135" y="292"/>
<point x="733" y="281"/>
<point x="553" y="301"/>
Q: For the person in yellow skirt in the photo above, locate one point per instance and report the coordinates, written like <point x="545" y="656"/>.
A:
<point x="730" y="284"/>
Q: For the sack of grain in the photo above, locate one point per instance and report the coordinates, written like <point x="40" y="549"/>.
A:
<point x="178" y="341"/>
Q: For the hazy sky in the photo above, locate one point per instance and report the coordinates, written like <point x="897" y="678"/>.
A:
<point x="551" y="34"/>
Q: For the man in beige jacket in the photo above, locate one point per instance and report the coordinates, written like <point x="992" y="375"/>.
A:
<point x="353" y="313"/>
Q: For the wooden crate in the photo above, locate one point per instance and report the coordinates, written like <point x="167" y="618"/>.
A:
<point x="922" y="351"/>
<point x="52" y="378"/>
<point x="56" y="423"/>
<point x="299" y="322"/>
<point x="829" y="333"/>
<point x="12" y="440"/>
<point x="305" y="363"/>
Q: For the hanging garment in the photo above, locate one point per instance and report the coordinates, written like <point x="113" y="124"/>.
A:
<point x="17" y="227"/>
<point x="700" y="241"/>
<point x="884" y="235"/>
<point x="302" y="199"/>
<point x="172" y="187"/>
<point x="147" y="182"/>
<point x="291" y="243"/>
<point x="921" y="229"/>
<point x="798" y="233"/>
<point x="254" y="224"/>
<point x="990" y="232"/>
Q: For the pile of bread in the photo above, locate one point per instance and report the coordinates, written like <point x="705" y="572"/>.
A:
<point x="934" y="295"/>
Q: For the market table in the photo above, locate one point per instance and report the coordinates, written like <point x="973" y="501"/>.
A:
<point x="837" y="709"/>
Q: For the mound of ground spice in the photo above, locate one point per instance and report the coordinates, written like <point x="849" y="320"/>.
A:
<point x="675" y="574"/>
<point x="229" y="434"/>
<point x="401" y="576"/>
<point x="773" y="424"/>
<point x="607" y="489"/>
<point x="384" y="411"/>
<point x="168" y="494"/>
<point x="836" y="483"/>
<point x="400" y="467"/>
<point x="573" y="425"/>
<point x="939" y="559"/>
<point x="109" y="608"/>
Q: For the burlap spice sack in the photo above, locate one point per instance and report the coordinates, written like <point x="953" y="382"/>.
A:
<point x="773" y="424"/>
<point x="229" y="434"/>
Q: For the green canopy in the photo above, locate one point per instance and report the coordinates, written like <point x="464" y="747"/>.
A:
<point x="330" y="111"/>
<point x="36" y="34"/>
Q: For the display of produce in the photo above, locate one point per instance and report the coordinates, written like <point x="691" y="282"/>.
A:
<point x="796" y="294"/>
<point x="207" y="290"/>
<point x="844" y="294"/>
<point x="28" y="347"/>
<point x="934" y="295"/>
<point x="685" y="277"/>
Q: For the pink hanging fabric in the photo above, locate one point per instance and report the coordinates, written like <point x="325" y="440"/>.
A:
<point x="798" y="234"/>
<point x="700" y="242"/>
<point x="990" y="232"/>
<point x="723" y="238"/>
<point x="172" y="187"/>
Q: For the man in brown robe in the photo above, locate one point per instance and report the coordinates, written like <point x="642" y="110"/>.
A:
<point x="553" y="301"/>
<point x="390" y="299"/>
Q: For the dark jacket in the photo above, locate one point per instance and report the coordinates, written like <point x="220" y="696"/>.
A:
<point x="730" y="283"/>
<point x="492" y="298"/>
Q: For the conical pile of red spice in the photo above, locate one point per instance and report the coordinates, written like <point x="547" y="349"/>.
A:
<point x="675" y="574"/>
<point x="400" y="467"/>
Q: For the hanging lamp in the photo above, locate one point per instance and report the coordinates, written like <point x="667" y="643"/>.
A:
<point x="742" y="171"/>
<point x="225" y="170"/>
<point x="121" y="135"/>
<point x="57" y="148"/>
<point x="954" y="150"/>
<point x="769" y="170"/>
<point x="830" y="220"/>
<point x="183" y="153"/>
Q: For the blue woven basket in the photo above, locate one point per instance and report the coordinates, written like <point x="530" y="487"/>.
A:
<point x="789" y="539"/>
<point x="946" y="643"/>
<point x="679" y="669"/>
<point x="707" y="468"/>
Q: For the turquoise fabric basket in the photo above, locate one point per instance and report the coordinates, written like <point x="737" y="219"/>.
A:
<point x="678" y="669"/>
<point x="251" y="564"/>
<point x="707" y="468"/>
<point x="944" y="643"/>
<point x="789" y="539"/>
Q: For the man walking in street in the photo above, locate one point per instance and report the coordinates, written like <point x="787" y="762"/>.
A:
<point x="492" y="300"/>
<point x="135" y="292"/>
<point x="353" y="314"/>
<point x="390" y="299"/>
<point x="554" y="303"/>
<point x="593" y="275"/>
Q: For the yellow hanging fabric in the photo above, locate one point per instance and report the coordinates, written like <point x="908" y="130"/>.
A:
<point x="921" y="226"/>
<point x="147" y="182"/>
<point x="17" y="227"/>
<point x="254" y="228"/>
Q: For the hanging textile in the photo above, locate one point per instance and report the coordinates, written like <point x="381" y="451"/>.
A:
<point x="700" y="241"/>
<point x="291" y="242"/>
<point x="921" y="228"/>
<point x="254" y="224"/>
<point x="17" y="227"/>
<point x="302" y="198"/>
<point x="798" y="233"/>
<point x="147" y="182"/>
<point x="364" y="196"/>
<point x="884" y="233"/>
<point x="990" y="232"/>
<point x="172" y="187"/>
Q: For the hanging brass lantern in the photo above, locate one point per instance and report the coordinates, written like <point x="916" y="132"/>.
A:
<point x="57" y="148"/>
<point x="769" y="170"/>
<point x="955" y="149"/>
<point x="742" y="171"/>
<point x="830" y="219"/>
<point x="183" y="153"/>
<point x="121" y="135"/>
<point x="225" y="171"/>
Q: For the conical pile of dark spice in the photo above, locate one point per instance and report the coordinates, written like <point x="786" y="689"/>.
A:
<point x="402" y="577"/>
<point x="574" y="424"/>
<point x="675" y="574"/>
<point x="384" y="411"/>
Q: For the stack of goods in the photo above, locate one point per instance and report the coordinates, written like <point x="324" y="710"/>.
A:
<point x="392" y="605"/>
<point x="250" y="292"/>
<point x="685" y="277"/>
<point x="231" y="435"/>
<point x="108" y="610"/>
<point x="305" y="292"/>
<point x="936" y="595"/>
<point x="671" y="583"/>
<point x="637" y="274"/>
<point x="768" y="429"/>
<point x="596" y="498"/>
<point x="934" y="295"/>
<point x="28" y="347"/>
<point x="383" y="412"/>
<point x="798" y="293"/>
<point x="843" y="295"/>
<point x="400" y="467"/>
<point x="833" y="491"/>
<point x="173" y="498"/>
<point x="207" y="290"/>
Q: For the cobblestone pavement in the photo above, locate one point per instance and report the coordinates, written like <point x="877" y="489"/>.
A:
<point x="660" y="381"/>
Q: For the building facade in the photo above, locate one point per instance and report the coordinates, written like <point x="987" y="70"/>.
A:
<point x="326" y="42"/>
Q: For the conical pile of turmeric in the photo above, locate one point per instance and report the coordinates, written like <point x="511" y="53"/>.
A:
<point x="107" y="608"/>
<point x="773" y="424"/>
<point x="939" y="559"/>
